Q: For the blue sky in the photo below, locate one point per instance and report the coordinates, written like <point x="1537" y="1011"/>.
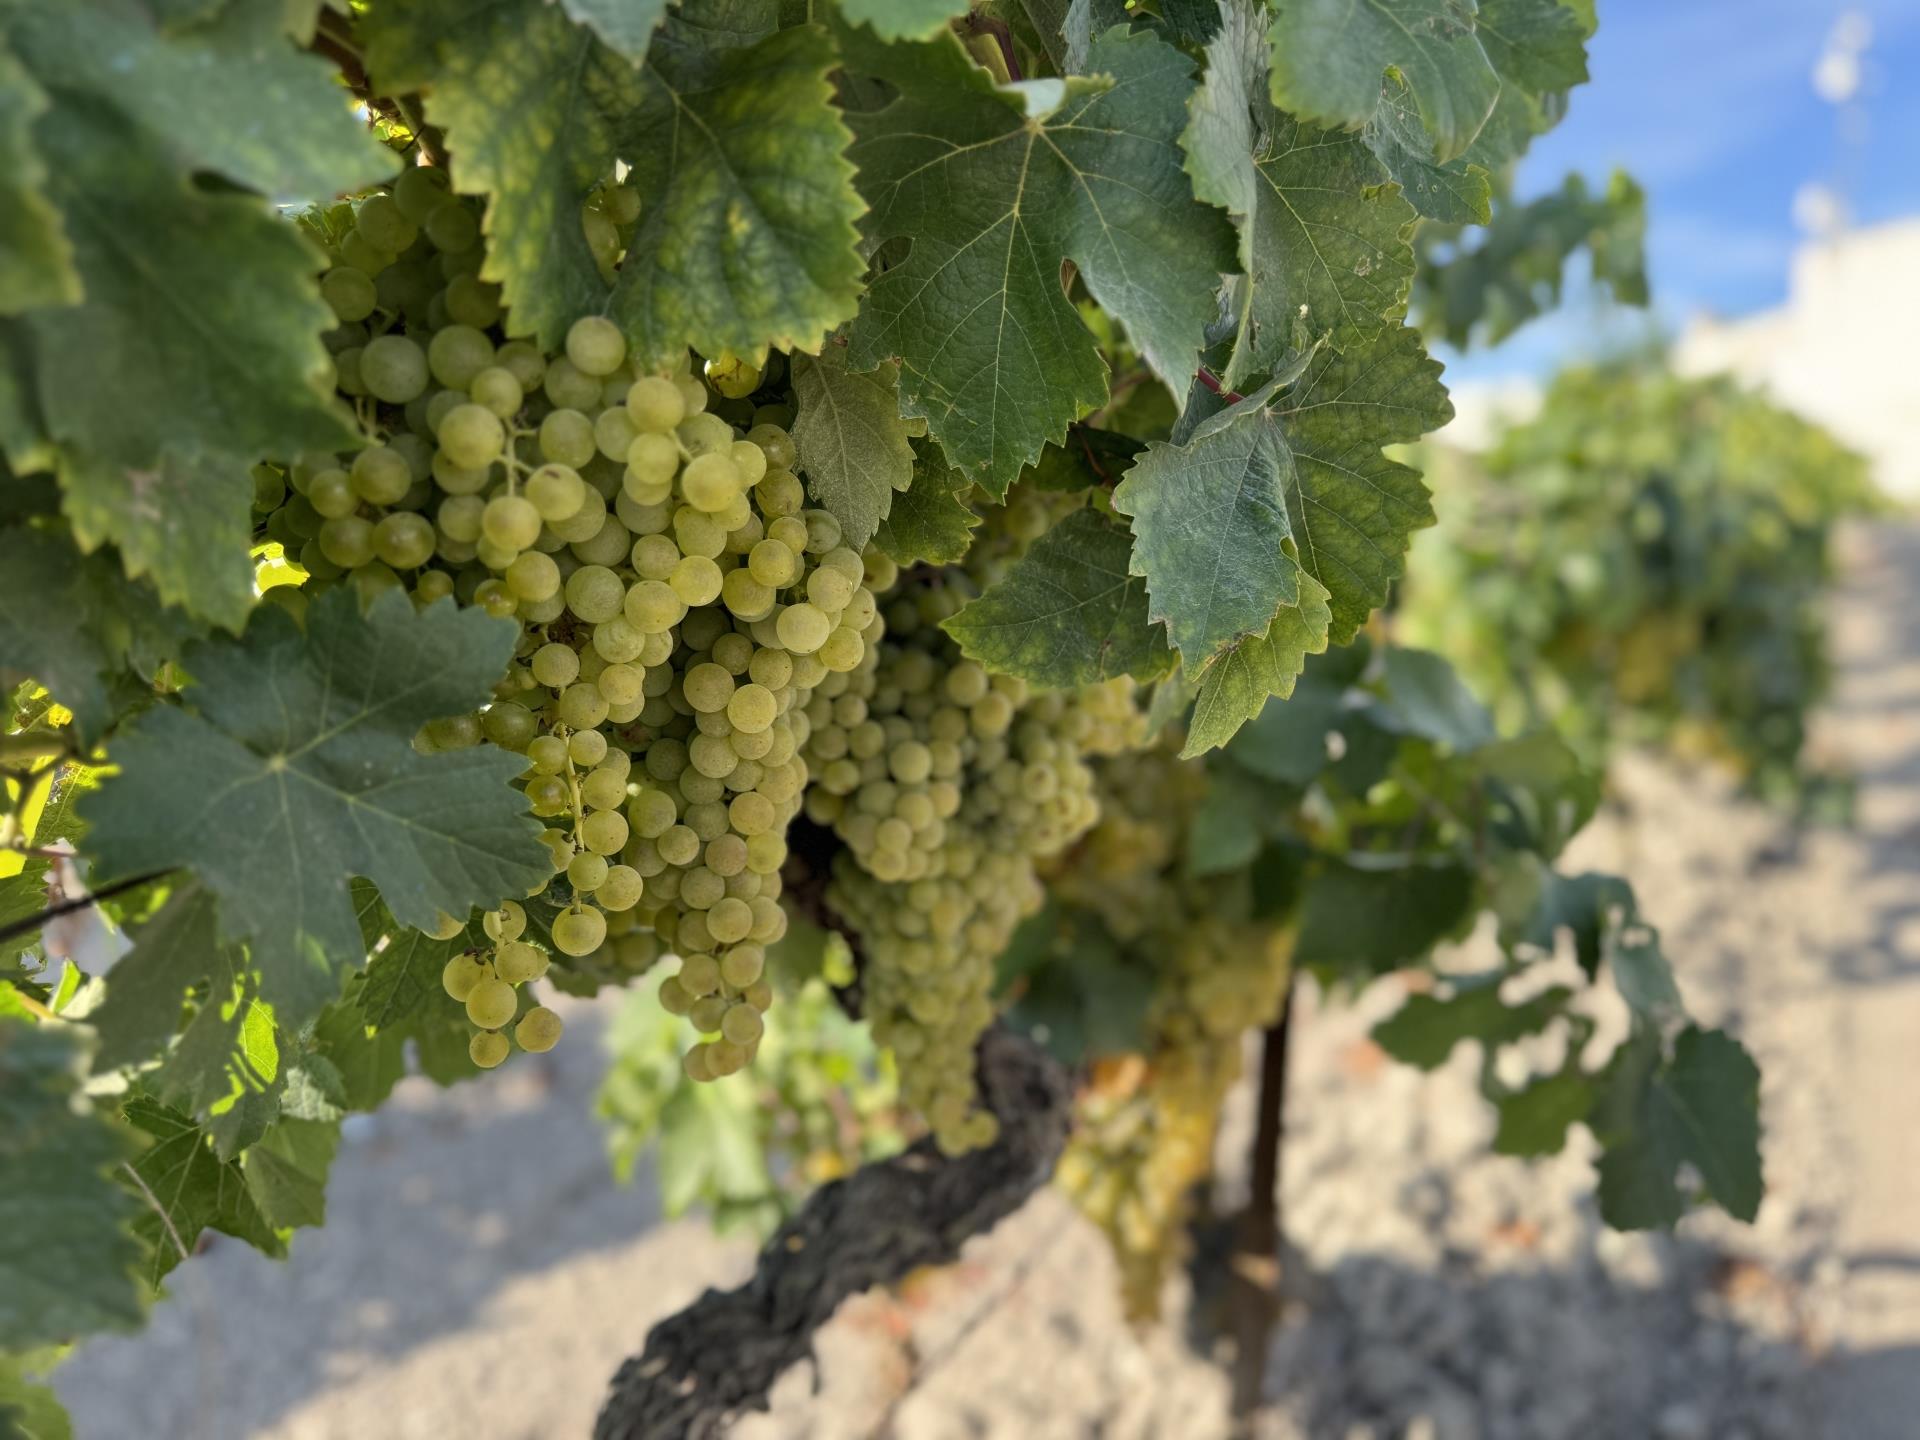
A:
<point x="1710" y="105"/>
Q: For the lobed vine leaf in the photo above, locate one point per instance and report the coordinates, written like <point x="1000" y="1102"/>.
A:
<point x="930" y="520"/>
<point x="36" y="262"/>
<point x="1068" y="613"/>
<point x="293" y="771"/>
<point x="1324" y="239"/>
<point x="286" y="1172"/>
<point x="1330" y="58"/>
<point x="746" y="236"/>
<point x="1353" y="511"/>
<point x="69" y="1262"/>
<point x="174" y="950"/>
<point x="192" y="1188"/>
<point x="1210" y="519"/>
<point x="1237" y="683"/>
<point x="1701" y="1108"/>
<point x="995" y="189"/>
<point x="851" y="440"/>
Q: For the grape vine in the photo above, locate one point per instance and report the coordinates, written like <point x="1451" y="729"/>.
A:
<point x="648" y="495"/>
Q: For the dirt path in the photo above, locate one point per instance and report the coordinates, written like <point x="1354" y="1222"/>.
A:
<point x="480" y="1277"/>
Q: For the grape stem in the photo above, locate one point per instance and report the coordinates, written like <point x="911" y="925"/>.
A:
<point x="80" y="902"/>
<point x="720" y="1357"/>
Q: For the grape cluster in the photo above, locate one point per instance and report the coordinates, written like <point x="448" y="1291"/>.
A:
<point x="679" y="602"/>
<point x="945" y="785"/>
<point x="487" y="983"/>
<point x="1147" y="1122"/>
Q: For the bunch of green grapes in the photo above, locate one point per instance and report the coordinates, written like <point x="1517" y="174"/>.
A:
<point x="1147" y="1122"/>
<point x="679" y="602"/>
<point x="487" y="983"/>
<point x="945" y="785"/>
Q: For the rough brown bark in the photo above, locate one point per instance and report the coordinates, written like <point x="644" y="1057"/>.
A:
<point x="721" y="1355"/>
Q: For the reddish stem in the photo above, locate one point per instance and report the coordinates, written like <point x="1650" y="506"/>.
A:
<point x="1212" y="382"/>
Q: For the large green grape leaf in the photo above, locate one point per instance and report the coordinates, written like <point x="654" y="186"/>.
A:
<point x="1540" y="46"/>
<point x="903" y="19"/>
<point x="625" y="25"/>
<point x="207" y="305"/>
<point x="1237" y="683"/>
<point x="110" y="54"/>
<point x="36" y="263"/>
<point x="186" y="1188"/>
<point x="293" y="771"/>
<point x="746" y="234"/>
<point x="930" y="520"/>
<point x="1701" y="1108"/>
<point x="995" y="189"/>
<point x="1324" y="240"/>
<point x="1209" y="519"/>
<point x="1068" y="613"/>
<point x="369" y="1064"/>
<point x="852" y="442"/>
<point x="404" y="977"/>
<point x="225" y="1069"/>
<point x="1353" y="511"/>
<point x="69" y="1262"/>
<point x="1330" y="58"/>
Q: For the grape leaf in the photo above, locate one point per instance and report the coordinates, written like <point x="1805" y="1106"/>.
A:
<point x="1354" y="511"/>
<point x="1329" y="58"/>
<point x="625" y="25"/>
<point x="1067" y="613"/>
<point x="903" y="19"/>
<point x="1236" y="685"/>
<point x="1534" y="1119"/>
<point x="404" y="978"/>
<point x="294" y="771"/>
<point x="852" y="442"/>
<point x="69" y="1263"/>
<point x="172" y="952"/>
<point x="207" y="304"/>
<point x="1423" y="695"/>
<point x="1372" y="919"/>
<point x="36" y="263"/>
<point x="1424" y="1030"/>
<point x="1209" y="519"/>
<point x="369" y="1065"/>
<point x="1488" y="290"/>
<point x="225" y="1070"/>
<point x="1539" y="46"/>
<point x="70" y="621"/>
<point x="746" y="236"/>
<point x="1460" y="192"/>
<point x="1324" y="240"/>
<point x="995" y="188"/>
<point x="110" y="55"/>
<point x="1701" y="1109"/>
<point x="930" y="520"/>
<point x="29" y="1410"/>
<point x="186" y="1189"/>
<point x="286" y="1172"/>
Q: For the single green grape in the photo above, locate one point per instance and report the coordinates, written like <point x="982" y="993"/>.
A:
<point x="580" y="930"/>
<point x="516" y="962"/>
<point x="491" y="1003"/>
<point x="505" y="923"/>
<point x="460" y="974"/>
<point x="510" y="521"/>
<point x="538" y="1030"/>
<point x="487" y="1049"/>
<point x="595" y="345"/>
